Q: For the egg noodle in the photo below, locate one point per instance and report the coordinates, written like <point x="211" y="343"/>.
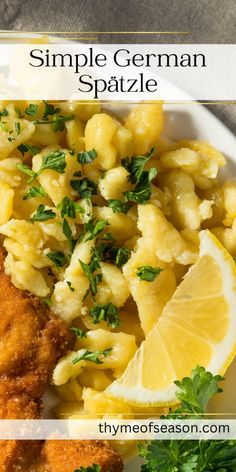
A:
<point x="74" y="187"/>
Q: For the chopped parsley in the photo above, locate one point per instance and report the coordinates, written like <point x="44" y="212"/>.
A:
<point x="93" y="356"/>
<point x="85" y="187"/>
<point x="148" y="273"/>
<point x="49" y="110"/>
<point x="23" y="148"/>
<point x="4" y="112"/>
<point x="142" y="191"/>
<point x="135" y="166"/>
<point x="93" y="228"/>
<point x="69" y="208"/>
<point x="72" y="289"/>
<point x="118" y="206"/>
<point x="142" y="178"/>
<point x="68" y="233"/>
<point x="57" y="257"/>
<point x="80" y="333"/>
<point x="42" y="214"/>
<point x="57" y="121"/>
<point x="87" y="157"/>
<point x="32" y="110"/>
<point x="93" y="279"/>
<point x="122" y="256"/>
<point x="55" y="160"/>
<point x="17" y="128"/>
<point x="107" y="312"/>
<point x="37" y="191"/>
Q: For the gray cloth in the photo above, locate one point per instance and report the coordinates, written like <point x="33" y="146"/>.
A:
<point x="207" y="21"/>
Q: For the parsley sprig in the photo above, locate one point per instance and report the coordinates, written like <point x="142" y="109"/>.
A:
<point x="107" y="312"/>
<point x="148" y="273"/>
<point x="93" y="356"/>
<point x="43" y="214"/>
<point x="55" y="160"/>
<point x="139" y="176"/>
<point x="37" y="191"/>
<point x="87" y="157"/>
<point x="194" y="393"/>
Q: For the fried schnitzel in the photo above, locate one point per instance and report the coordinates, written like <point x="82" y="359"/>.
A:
<point x="31" y="341"/>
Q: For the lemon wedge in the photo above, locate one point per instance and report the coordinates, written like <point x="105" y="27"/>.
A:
<point x="197" y="327"/>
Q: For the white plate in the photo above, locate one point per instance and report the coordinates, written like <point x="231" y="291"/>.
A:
<point x="194" y="121"/>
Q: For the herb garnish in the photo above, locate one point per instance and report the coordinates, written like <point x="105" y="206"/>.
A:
<point x="69" y="208"/>
<point x="42" y="214"/>
<point x="142" y="178"/>
<point x="148" y="273"/>
<point x="17" y="128"/>
<point x="23" y="148"/>
<point x="93" y="356"/>
<point x="80" y="333"/>
<point x="68" y="233"/>
<point x="57" y="257"/>
<point x="93" y="228"/>
<point x="87" y="157"/>
<point x="32" y="109"/>
<point x="37" y="191"/>
<point x="55" y="160"/>
<point x="70" y="286"/>
<point x="194" y="393"/>
<point x="4" y="112"/>
<point x="118" y="206"/>
<point x="93" y="279"/>
<point x="107" y="312"/>
<point x="122" y="256"/>
<point x="85" y="187"/>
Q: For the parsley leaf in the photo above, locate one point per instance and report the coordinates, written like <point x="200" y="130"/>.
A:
<point x="37" y="191"/>
<point x="194" y="392"/>
<point x="93" y="356"/>
<point x="70" y="286"/>
<point x="87" y="157"/>
<point x="42" y="214"/>
<point x="4" y="112"/>
<point x="142" y="191"/>
<point x="69" y="208"/>
<point x="67" y="232"/>
<point x="93" y="468"/>
<point x="17" y="128"/>
<point x="142" y="178"/>
<point x="148" y="273"/>
<point x="85" y="187"/>
<point x="135" y="166"/>
<point x="28" y="171"/>
<point x="88" y="270"/>
<point x="122" y="256"/>
<point x="57" y="257"/>
<point x="32" y="109"/>
<point x="54" y="160"/>
<point x="23" y="148"/>
<point x="118" y="206"/>
<point x="107" y="312"/>
<point x="49" y="110"/>
<point x="94" y="227"/>
<point x="80" y="333"/>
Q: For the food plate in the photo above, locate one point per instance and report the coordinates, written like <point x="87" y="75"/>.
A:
<point x="194" y="121"/>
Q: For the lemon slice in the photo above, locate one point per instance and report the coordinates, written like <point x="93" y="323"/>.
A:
<point x="197" y="327"/>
